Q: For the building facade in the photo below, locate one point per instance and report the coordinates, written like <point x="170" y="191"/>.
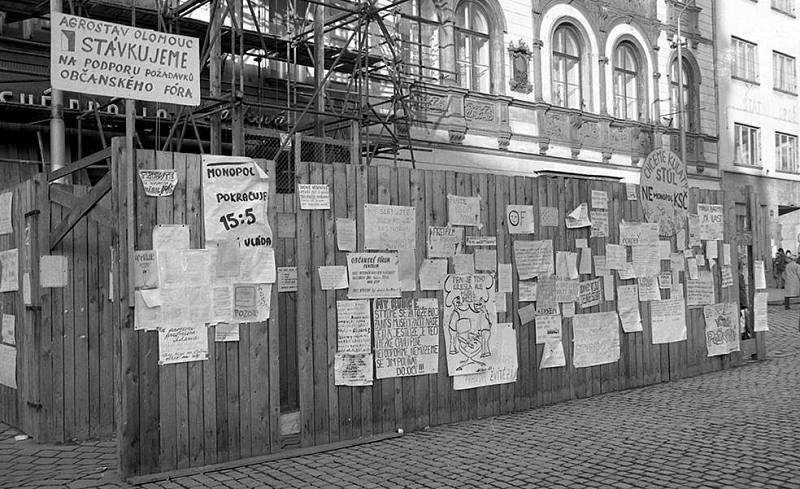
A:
<point x="759" y="115"/>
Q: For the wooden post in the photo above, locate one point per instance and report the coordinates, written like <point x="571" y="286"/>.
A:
<point x="215" y="75"/>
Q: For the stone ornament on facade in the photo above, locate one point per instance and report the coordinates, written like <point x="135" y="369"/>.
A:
<point x="520" y="67"/>
<point x="456" y="135"/>
<point x="479" y="111"/>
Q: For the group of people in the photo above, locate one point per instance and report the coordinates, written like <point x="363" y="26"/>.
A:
<point x="786" y="271"/>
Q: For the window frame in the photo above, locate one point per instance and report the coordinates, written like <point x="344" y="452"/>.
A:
<point x="470" y="35"/>
<point x="690" y="102"/>
<point x="791" y="7"/>
<point x="753" y="138"/>
<point x="635" y="74"/>
<point x="563" y="58"/>
<point x="782" y="138"/>
<point x="792" y="88"/>
<point x="736" y="70"/>
<point x="415" y="45"/>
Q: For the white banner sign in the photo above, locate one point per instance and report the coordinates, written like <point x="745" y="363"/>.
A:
<point x="114" y="60"/>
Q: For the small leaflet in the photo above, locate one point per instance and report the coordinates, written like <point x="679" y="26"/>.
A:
<point x="628" y="308"/>
<point x="53" y="271"/>
<point x="464" y="211"/>
<point x="9" y="270"/>
<point x="567" y="290"/>
<point x="568" y="309"/>
<point x="373" y="275"/>
<point x="287" y="279"/>
<point x="8" y="366"/>
<point x="390" y="227"/>
<point x="648" y="289"/>
<point x="726" y="253"/>
<point x="628" y="272"/>
<point x="464" y="263"/>
<point x="345" y="234"/>
<point x="6" y="225"/>
<point x="170" y="237"/>
<point x="221" y="303"/>
<point x="591" y="293"/>
<point x="226" y="332"/>
<point x="758" y="273"/>
<point x="333" y="277"/>
<point x="534" y="258"/>
<point x="500" y="302"/>
<point x="664" y="249"/>
<point x="553" y="355"/>
<point x="432" y="273"/>
<point x="595" y="339"/>
<point x="599" y="199"/>
<point x="601" y="265"/>
<point x="608" y="286"/>
<point x="180" y="344"/>
<point x="691" y="268"/>
<point x="444" y="242"/>
<point x="8" y="331"/>
<point x="548" y="216"/>
<point x="251" y="302"/>
<point x="760" y="322"/>
<point x="567" y="265"/>
<point x="486" y="260"/>
<point x="477" y="241"/>
<point x="710" y="218"/>
<point x="526" y="314"/>
<point x="727" y="276"/>
<point x="546" y="290"/>
<point x="145" y="269"/>
<point x="504" y="278"/>
<point x="631" y="191"/>
<point x="638" y="233"/>
<point x="407" y="268"/>
<point x="665" y="280"/>
<point x="700" y="292"/>
<point x="645" y="260"/>
<point x="527" y="291"/>
<point x="548" y="327"/>
<point x="712" y="250"/>
<point x="585" y="267"/>
<point x="599" y="220"/>
<point x="314" y="196"/>
<point x="146" y="316"/>
<point x="680" y="239"/>
<point x="353" y="369"/>
<point x="353" y="326"/>
<point x="579" y="217"/>
<point x="616" y="256"/>
<point x="581" y="243"/>
<point x="694" y="230"/>
<point x="668" y="321"/>
<point x="677" y="262"/>
<point x="520" y="219"/>
<point x="158" y="183"/>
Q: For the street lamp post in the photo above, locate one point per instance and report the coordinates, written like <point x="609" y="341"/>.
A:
<point x="681" y="107"/>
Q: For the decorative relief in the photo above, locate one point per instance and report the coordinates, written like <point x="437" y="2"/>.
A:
<point x="456" y="135"/>
<point x="520" y="67"/>
<point x="477" y="111"/>
<point x="620" y="138"/>
<point x="556" y="125"/>
<point x="589" y="133"/>
<point x="503" y="141"/>
<point x="426" y="102"/>
<point x="645" y="142"/>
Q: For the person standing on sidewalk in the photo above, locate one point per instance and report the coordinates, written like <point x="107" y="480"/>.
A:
<point x="778" y="267"/>
<point x="792" y="284"/>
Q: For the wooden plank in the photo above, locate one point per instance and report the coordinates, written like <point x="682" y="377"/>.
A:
<point x="329" y="242"/>
<point x="100" y="213"/>
<point x="418" y="400"/>
<point x="86" y="204"/>
<point x="341" y="192"/>
<point x="266" y="354"/>
<point x="405" y="401"/>
<point x="57" y="347"/>
<point x="430" y="220"/>
<point x="318" y="319"/>
<point x="94" y="285"/>
<point x="80" y="164"/>
<point x="305" y="354"/>
<point x="498" y="186"/>
<point x="387" y="194"/>
<point x="365" y="394"/>
<point x="81" y="340"/>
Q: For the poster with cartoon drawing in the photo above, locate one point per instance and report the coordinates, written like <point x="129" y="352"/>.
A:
<point x="470" y="318"/>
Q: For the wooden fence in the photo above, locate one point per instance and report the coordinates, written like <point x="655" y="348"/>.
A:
<point x="229" y="407"/>
<point x="64" y="368"/>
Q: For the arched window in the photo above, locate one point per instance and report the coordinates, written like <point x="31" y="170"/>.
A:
<point x="689" y="89"/>
<point x="626" y="82"/>
<point x="473" y="47"/>
<point x="567" y="68"/>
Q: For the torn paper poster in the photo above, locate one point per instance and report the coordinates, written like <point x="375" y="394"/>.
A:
<point x="579" y="217"/>
<point x="553" y="355"/>
<point x="158" y="183"/>
<point x="314" y="196"/>
<point x="628" y="308"/>
<point x="287" y="279"/>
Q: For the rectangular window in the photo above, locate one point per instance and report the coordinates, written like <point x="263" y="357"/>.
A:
<point x="784" y="73"/>
<point x="747" y="141"/>
<point x="745" y="60"/>
<point x="786" y="152"/>
<point x="785" y="6"/>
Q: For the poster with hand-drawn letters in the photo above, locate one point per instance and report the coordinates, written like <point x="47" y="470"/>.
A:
<point x="406" y="337"/>
<point x="470" y="319"/>
<point x="501" y="367"/>
<point x="389" y="227"/>
<point x="722" y="328"/>
<point x="596" y="339"/>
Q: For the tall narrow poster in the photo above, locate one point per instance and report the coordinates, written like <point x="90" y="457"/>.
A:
<point x="470" y="318"/>
<point x="501" y="367"/>
<point x="406" y="337"/>
<point x="668" y="320"/>
<point x="596" y="339"/>
<point x="722" y="328"/>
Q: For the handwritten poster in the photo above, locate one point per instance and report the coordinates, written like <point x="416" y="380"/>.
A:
<point x="568" y="309"/>
<point x="520" y="219"/>
<point x="501" y="366"/>
<point x="567" y="290"/>
<point x="760" y="322"/>
<point x="353" y="327"/>
<point x="616" y="256"/>
<point x="758" y="275"/>
<point x="548" y="327"/>
<point x="352" y="369"/>
<point x="664" y="190"/>
<point x="596" y="339"/>
<point x="345" y="234"/>
<point x="463" y="211"/>
<point x="333" y="277"/>
<point x="444" y="242"/>
<point x="631" y="191"/>
<point x="727" y="277"/>
<point x="601" y="265"/>
<point x="226" y="332"/>
<point x="470" y="318"/>
<point x="579" y="217"/>
<point x="432" y="273"/>
<point x="628" y="308"/>
<point x="158" y="183"/>
<point x="649" y="289"/>
<point x="638" y="233"/>
<point x="235" y="198"/>
<point x="527" y="291"/>
<point x="486" y="260"/>
<point x="6" y="225"/>
<point x="9" y="270"/>
<point x="170" y="237"/>
<point x="8" y="331"/>
<point x="710" y="218"/>
<point x="145" y="269"/>
<point x="287" y="279"/>
<point x="548" y="216"/>
<point x="599" y="199"/>
<point x="179" y="344"/>
<point x="646" y="260"/>
<point x="599" y="220"/>
<point x="722" y="328"/>
<point x="406" y="337"/>
<point x="251" y="302"/>
<point x="53" y="271"/>
<point x="566" y="265"/>
<point x="475" y="241"/>
<point x="700" y="291"/>
<point x="591" y="293"/>
<point x="314" y="196"/>
<point x="390" y="227"/>
<point x="8" y="366"/>
<point x="533" y="258"/>
<point x="373" y="275"/>
<point x="668" y="320"/>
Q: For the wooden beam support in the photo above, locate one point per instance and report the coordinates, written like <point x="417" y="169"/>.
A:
<point x="79" y="165"/>
<point x="84" y="206"/>
<point x="102" y="214"/>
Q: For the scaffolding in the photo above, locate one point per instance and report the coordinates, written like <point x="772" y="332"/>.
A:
<point x="333" y="69"/>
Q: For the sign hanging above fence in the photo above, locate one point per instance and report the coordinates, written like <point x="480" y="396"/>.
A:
<point x="114" y="60"/>
<point x="664" y="191"/>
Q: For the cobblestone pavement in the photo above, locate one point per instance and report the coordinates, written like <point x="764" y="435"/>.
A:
<point x="736" y="428"/>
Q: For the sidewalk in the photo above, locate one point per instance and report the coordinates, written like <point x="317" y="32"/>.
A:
<point x="735" y="428"/>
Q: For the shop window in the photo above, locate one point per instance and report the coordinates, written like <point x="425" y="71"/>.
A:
<point x="747" y="150"/>
<point x="567" y="76"/>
